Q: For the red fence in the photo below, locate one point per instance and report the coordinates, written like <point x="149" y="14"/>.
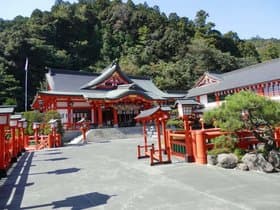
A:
<point x="13" y="142"/>
<point x="198" y="142"/>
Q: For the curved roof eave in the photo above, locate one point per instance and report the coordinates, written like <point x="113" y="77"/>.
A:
<point x="121" y="94"/>
<point x="60" y="93"/>
<point x="105" y="75"/>
<point x="117" y="94"/>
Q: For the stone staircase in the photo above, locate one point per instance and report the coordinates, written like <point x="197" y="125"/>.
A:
<point x="105" y="134"/>
<point x="114" y="133"/>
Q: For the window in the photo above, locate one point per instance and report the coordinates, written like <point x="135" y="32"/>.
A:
<point x="211" y="98"/>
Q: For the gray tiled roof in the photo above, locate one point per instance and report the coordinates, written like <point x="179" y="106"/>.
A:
<point x="105" y="75"/>
<point x="255" y="74"/>
<point x="68" y="81"/>
<point x="186" y="102"/>
<point x="150" y="112"/>
<point x="65" y="82"/>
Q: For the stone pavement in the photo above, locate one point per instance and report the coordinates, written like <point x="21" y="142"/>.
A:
<point x="107" y="175"/>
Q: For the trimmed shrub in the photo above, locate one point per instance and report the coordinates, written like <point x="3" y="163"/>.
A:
<point x="223" y="144"/>
<point x="175" y="123"/>
<point x="44" y="118"/>
<point x="239" y="153"/>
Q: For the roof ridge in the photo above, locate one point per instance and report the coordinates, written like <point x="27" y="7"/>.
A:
<point x="74" y="72"/>
<point x="248" y="68"/>
<point x="81" y="72"/>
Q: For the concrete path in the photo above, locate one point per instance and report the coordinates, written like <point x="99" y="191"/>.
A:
<point x="107" y="175"/>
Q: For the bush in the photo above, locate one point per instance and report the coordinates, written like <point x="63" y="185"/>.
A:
<point x="176" y="123"/>
<point x="223" y="144"/>
<point x="32" y="116"/>
<point x="44" y="118"/>
<point x="239" y="153"/>
<point x="52" y="115"/>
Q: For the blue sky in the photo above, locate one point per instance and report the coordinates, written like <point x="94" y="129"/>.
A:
<point x="248" y="18"/>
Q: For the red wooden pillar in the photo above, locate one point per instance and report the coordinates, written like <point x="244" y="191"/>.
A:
<point x="2" y="150"/>
<point x="69" y="114"/>
<point x="100" y="117"/>
<point x="50" y="140"/>
<point x="14" y="144"/>
<point x="198" y="98"/>
<point x="159" y="140"/>
<point x="194" y="145"/>
<point x="36" y="137"/>
<point x="26" y="141"/>
<point x="163" y="127"/>
<point x="201" y="147"/>
<point x="188" y="140"/>
<point x="21" y="134"/>
<point x="95" y="116"/>
<point x="115" y="113"/>
<point x="19" y="140"/>
<point x="217" y="97"/>
<point x="145" y="136"/>
<point x="260" y="90"/>
<point x="92" y="114"/>
<point x="54" y="104"/>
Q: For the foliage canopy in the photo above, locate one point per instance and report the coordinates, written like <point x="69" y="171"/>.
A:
<point x="174" y="51"/>
<point x="247" y="111"/>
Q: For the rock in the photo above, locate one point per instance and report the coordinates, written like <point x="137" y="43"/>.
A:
<point x="227" y="160"/>
<point x="257" y="162"/>
<point x="212" y="159"/>
<point x="274" y="158"/>
<point x="242" y="167"/>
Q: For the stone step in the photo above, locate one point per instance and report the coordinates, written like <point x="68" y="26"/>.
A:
<point x="104" y="134"/>
<point x="114" y="133"/>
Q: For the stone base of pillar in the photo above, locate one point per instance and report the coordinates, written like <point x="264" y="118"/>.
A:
<point x="116" y="125"/>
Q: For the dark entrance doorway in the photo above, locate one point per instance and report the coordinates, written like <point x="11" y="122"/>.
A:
<point x="78" y="114"/>
<point x="107" y="115"/>
<point x="126" y="118"/>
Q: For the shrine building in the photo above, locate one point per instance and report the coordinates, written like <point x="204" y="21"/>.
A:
<point x="106" y="99"/>
<point x="263" y="79"/>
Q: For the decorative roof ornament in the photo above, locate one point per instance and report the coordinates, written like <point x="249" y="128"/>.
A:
<point x="115" y="62"/>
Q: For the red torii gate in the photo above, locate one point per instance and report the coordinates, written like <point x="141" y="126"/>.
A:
<point x="159" y="115"/>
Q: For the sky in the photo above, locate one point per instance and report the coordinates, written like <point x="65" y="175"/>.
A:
<point x="249" y="18"/>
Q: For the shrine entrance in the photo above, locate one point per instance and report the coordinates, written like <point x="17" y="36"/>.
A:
<point x="107" y="115"/>
<point x="126" y="119"/>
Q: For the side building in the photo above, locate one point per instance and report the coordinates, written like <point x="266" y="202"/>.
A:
<point x="263" y="79"/>
<point x="106" y="99"/>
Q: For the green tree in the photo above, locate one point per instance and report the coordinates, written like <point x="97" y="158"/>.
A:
<point x="89" y="34"/>
<point x="246" y="110"/>
<point x="271" y="52"/>
<point x="10" y="88"/>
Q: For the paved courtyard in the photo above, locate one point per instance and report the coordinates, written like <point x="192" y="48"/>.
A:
<point x="107" y="175"/>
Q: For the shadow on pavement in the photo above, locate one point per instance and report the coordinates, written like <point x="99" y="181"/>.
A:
<point x="102" y="142"/>
<point x="53" y="159"/>
<point x="77" y="202"/>
<point x="53" y="153"/>
<point x="12" y="191"/>
<point x="59" y="171"/>
<point x="56" y="159"/>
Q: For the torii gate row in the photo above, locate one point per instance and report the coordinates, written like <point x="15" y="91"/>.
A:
<point x="159" y="115"/>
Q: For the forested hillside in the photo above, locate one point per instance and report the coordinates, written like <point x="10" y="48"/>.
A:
<point x="267" y="48"/>
<point x="89" y="35"/>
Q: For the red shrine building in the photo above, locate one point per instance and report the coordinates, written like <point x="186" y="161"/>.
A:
<point x="263" y="79"/>
<point x="109" y="98"/>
